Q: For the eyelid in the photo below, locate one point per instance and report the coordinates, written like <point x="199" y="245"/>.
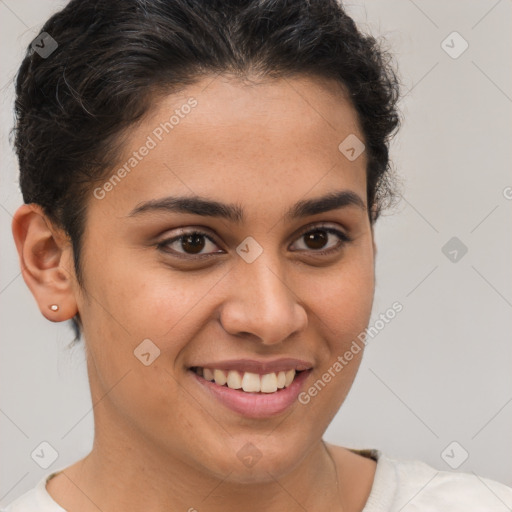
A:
<point x="319" y="225"/>
<point x="181" y="233"/>
<point x="324" y="226"/>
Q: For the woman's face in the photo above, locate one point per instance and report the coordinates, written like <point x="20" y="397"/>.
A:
<point x="253" y="287"/>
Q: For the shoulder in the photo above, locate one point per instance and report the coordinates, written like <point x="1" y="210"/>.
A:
<point x="420" y="487"/>
<point x="36" y="499"/>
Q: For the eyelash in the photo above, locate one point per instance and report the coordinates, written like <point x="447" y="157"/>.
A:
<point x="344" y="239"/>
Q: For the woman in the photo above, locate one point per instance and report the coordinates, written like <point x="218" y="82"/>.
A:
<point x="201" y="184"/>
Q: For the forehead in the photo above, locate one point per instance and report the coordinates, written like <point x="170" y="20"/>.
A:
<point x="253" y="142"/>
<point x="286" y="111"/>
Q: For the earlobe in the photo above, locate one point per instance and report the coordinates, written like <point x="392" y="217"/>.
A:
<point x="45" y="259"/>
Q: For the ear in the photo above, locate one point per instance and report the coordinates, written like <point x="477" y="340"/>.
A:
<point x="46" y="261"/>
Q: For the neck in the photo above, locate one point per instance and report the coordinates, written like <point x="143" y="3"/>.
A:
<point x="120" y="474"/>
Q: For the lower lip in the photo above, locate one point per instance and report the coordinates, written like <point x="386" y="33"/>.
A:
<point x="255" y="405"/>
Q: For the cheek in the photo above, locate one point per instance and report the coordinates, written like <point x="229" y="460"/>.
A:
<point x="172" y="306"/>
<point x="343" y="308"/>
<point x="140" y="299"/>
<point x="344" y="305"/>
<point x="342" y="298"/>
<point x="132" y="362"/>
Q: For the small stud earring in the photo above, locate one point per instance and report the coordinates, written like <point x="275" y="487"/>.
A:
<point x="54" y="307"/>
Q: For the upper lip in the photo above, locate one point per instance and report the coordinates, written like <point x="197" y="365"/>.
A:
<point x="261" y="367"/>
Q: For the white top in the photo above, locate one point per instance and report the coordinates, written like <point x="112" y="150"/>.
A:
<point x="399" y="485"/>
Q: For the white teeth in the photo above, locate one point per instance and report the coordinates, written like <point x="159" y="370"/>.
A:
<point x="251" y="382"/>
<point x="248" y="381"/>
<point x="290" y="375"/>
<point x="220" y="377"/>
<point x="234" y="380"/>
<point x="268" y="383"/>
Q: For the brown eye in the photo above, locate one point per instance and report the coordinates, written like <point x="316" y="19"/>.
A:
<point x="193" y="243"/>
<point x="316" y="239"/>
<point x="190" y="244"/>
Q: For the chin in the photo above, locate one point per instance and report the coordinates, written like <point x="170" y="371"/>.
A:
<point x="257" y="460"/>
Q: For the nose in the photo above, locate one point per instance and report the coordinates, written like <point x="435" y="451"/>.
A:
<point x="261" y="303"/>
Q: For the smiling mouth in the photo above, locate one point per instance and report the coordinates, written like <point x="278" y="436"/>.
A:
<point x="248" y="382"/>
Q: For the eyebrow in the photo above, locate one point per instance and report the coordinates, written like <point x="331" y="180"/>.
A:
<point x="234" y="212"/>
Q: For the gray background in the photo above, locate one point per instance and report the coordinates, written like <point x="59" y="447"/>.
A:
<point x="440" y="371"/>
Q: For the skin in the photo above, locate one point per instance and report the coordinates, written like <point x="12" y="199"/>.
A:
<point x="161" y="443"/>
